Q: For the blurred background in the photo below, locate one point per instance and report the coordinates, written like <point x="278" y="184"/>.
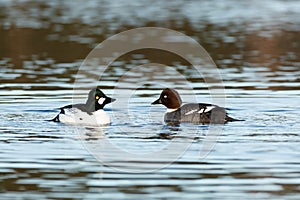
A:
<point x="255" y="45"/>
<point x="246" y="36"/>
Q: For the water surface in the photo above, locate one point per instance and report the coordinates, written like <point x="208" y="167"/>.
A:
<point x="256" y="48"/>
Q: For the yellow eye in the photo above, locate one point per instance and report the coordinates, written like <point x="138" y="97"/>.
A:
<point x="97" y="97"/>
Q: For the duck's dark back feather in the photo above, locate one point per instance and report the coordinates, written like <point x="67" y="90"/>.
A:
<point x="198" y="114"/>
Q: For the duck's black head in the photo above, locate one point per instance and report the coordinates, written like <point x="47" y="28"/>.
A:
<point x="169" y="98"/>
<point x="97" y="100"/>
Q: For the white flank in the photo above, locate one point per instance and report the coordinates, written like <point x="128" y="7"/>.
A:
<point x="68" y="117"/>
<point x="76" y="116"/>
<point x="101" y="100"/>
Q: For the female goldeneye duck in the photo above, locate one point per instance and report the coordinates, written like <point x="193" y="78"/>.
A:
<point x="197" y="113"/>
<point x="90" y="113"/>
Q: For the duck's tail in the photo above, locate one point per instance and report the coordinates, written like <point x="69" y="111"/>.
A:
<point x="230" y="119"/>
<point x="55" y="119"/>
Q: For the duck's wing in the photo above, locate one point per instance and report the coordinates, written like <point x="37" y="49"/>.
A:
<point x="69" y="110"/>
<point x="201" y="113"/>
<point x="73" y="107"/>
<point x="197" y="108"/>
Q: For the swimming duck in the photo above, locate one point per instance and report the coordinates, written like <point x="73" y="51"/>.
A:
<point x="197" y="113"/>
<point x="90" y="113"/>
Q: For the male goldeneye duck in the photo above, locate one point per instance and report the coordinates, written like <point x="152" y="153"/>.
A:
<point x="90" y="113"/>
<point x="197" y="113"/>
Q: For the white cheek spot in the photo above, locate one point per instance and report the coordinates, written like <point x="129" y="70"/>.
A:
<point x="101" y="100"/>
<point x="165" y="96"/>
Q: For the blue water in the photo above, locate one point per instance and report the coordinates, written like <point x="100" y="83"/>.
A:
<point x="138" y="156"/>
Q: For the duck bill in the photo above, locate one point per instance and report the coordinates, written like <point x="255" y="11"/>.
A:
<point x="158" y="101"/>
<point x="109" y="100"/>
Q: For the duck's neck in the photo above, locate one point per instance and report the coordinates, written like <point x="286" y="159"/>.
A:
<point x="93" y="106"/>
